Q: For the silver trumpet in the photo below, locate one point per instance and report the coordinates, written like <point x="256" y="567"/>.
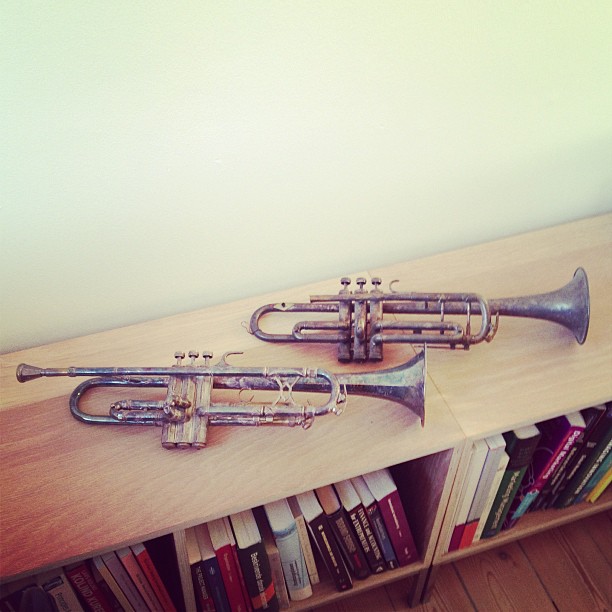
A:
<point x="187" y="409"/>
<point x="360" y="329"/>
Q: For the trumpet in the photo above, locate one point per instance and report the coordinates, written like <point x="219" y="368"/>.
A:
<point x="187" y="409"/>
<point x="361" y="329"/>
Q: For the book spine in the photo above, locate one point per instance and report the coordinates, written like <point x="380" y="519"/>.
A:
<point x="258" y="577"/>
<point x="365" y="535"/>
<point x="600" y="487"/>
<point x="398" y="529"/>
<point x="294" y="565"/>
<point x="594" y="480"/>
<point x="123" y="580"/>
<point x="229" y="572"/>
<point x="501" y="505"/>
<point x="87" y="589"/>
<point x="503" y="464"/>
<point x="216" y="587"/>
<point x="309" y="559"/>
<point x="203" y="597"/>
<point x="558" y="454"/>
<point x="330" y="552"/>
<point x="584" y="473"/>
<point x="382" y="536"/>
<point x="139" y="578"/>
<point x="154" y="577"/>
<point x="349" y="545"/>
<point x="112" y="584"/>
<point x="63" y="595"/>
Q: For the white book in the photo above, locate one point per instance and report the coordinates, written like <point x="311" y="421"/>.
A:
<point x="300" y="521"/>
<point x="285" y="533"/>
<point x="499" y="474"/>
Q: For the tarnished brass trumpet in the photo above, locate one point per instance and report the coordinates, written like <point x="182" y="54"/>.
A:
<point x="187" y="409"/>
<point x="361" y="330"/>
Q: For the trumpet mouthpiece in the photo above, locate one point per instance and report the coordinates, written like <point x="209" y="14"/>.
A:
<point x="27" y="372"/>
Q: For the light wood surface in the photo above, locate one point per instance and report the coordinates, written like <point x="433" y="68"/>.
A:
<point x="532" y="370"/>
<point x="70" y="489"/>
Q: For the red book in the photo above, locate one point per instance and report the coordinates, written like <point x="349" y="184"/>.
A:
<point x="384" y="490"/>
<point x="87" y="589"/>
<point x="150" y="571"/>
<point x="127" y="557"/>
<point x="227" y="563"/>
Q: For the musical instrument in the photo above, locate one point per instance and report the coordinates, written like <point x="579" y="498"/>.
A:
<point x="187" y="409"/>
<point x="361" y="329"/>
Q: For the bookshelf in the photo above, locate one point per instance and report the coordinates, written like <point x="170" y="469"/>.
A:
<point x="71" y="490"/>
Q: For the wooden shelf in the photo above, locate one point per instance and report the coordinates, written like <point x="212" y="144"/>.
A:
<point x="71" y="490"/>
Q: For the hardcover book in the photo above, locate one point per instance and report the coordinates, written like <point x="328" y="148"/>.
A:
<point x="325" y="540"/>
<point x="222" y="545"/>
<point x="209" y="571"/>
<point x="148" y="567"/>
<point x="520" y="446"/>
<point x="112" y="584"/>
<point x="127" y="557"/>
<point x="254" y="561"/>
<point x="495" y="446"/>
<point x="284" y="529"/>
<point x="360" y="522"/>
<point x="470" y="483"/>
<point x="203" y="596"/>
<point x="499" y="474"/>
<point x="343" y="532"/>
<point x="126" y="584"/>
<point x="376" y="520"/>
<point x="383" y="488"/>
<point x="558" y="435"/>
<point x="87" y="589"/>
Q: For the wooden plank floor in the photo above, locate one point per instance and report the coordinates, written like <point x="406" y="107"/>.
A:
<point x="568" y="568"/>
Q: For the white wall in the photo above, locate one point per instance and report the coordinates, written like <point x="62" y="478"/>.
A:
<point x="157" y="157"/>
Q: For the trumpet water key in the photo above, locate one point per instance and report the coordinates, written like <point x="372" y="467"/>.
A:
<point x="361" y="329"/>
<point x="188" y="409"/>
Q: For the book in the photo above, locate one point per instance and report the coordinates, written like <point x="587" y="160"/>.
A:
<point x="311" y="566"/>
<point x="594" y="445"/>
<point x="599" y="473"/>
<point x="123" y="580"/>
<point x="600" y="487"/>
<point x="254" y="561"/>
<point x="274" y="558"/>
<point x="153" y="576"/>
<point x="128" y="559"/>
<point x="27" y="598"/>
<point x="558" y="435"/>
<point x="499" y="474"/>
<point x="376" y="520"/>
<point x="111" y="583"/>
<point x="283" y="526"/>
<point x="234" y="549"/>
<point x="203" y="595"/>
<point x="222" y="545"/>
<point x="83" y="583"/>
<point x="209" y="571"/>
<point x="557" y="480"/>
<point x="520" y="446"/>
<point x="383" y="488"/>
<point x="324" y="540"/>
<point x="55" y="584"/>
<point x="478" y="454"/>
<point x="495" y="446"/>
<point x="343" y="532"/>
<point x="355" y="510"/>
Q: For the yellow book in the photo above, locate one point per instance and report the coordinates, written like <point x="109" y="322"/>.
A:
<point x="600" y="487"/>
